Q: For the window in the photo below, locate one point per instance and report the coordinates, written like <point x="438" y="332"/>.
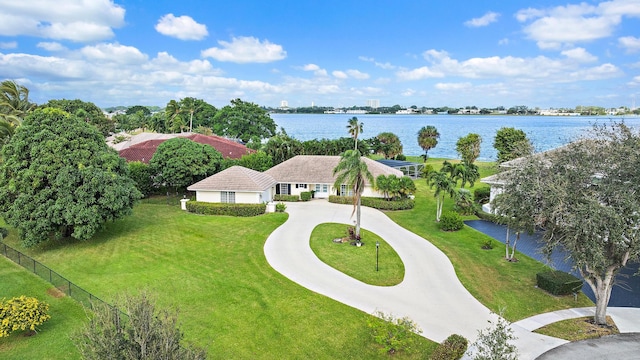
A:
<point x="322" y="188"/>
<point x="301" y="186"/>
<point x="345" y="191"/>
<point x="228" y="197"/>
<point x="284" y="189"/>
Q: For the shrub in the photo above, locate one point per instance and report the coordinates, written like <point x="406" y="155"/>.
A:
<point x="482" y="195"/>
<point x="426" y="170"/>
<point x="558" y="282"/>
<point x="4" y="232"/>
<point x="376" y="203"/>
<point x="305" y="196"/>
<point x="243" y="210"/>
<point x="141" y="174"/>
<point x="401" y="157"/>
<point x="393" y="334"/>
<point x="464" y="203"/>
<point x="451" y="221"/>
<point x="22" y="313"/>
<point x="494" y="342"/>
<point x="487" y="216"/>
<point x="282" y="197"/>
<point x="281" y="207"/>
<point x="452" y="348"/>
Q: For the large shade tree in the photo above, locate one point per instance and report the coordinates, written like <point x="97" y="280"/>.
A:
<point x="388" y="145"/>
<point x="180" y="162"/>
<point x="468" y="147"/>
<point x="87" y="111"/>
<point x="244" y="120"/>
<point x="428" y="139"/>
<point x="586" y="198"/>
<point x="353" y="172"/>
<point x="58" y="178"/>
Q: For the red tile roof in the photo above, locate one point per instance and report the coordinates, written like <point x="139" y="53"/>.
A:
<point x="144" y="151"/>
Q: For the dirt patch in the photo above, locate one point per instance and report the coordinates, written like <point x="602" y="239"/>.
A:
<point x="55" y="292"/>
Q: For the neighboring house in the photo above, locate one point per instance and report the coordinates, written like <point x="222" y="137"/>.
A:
<point x="141" y="147"/>
<point x="236" y="184"/>
<point x="315" y="172"/>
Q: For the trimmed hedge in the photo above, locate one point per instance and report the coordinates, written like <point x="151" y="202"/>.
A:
<point x="558" y="282"/>
<point x="376" y="203"/>
<point x="481" y="195"/>
<point x="487" y="216"/>
<point x="281" y="197"/>
<point x="305" y="196"/>
<point x="452" y="348"/>
<point x="242" y="210"/>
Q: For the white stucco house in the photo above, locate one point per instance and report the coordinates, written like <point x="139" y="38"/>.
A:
<point x="238" y="184"/>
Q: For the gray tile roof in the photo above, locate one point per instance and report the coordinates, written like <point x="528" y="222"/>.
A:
<point x="319" y="169"/>
<point x="235" y="178"/>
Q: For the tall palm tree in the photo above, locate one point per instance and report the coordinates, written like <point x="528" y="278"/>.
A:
<point x="443" y="185"/>
<point x="14" y="102"/>
<point x="354" y="128"/>
<point x="173" y="113"/>
<point x="353" y="172"/>
<point x="190" y="105"/>
<point x="428" y="139"/>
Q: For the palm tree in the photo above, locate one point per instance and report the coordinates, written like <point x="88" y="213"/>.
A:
<point x="428" y="139"/>
<point x="14" y="102"/>
<point x="354" y="128"/>
<point x="190" y="105"/>
<point x="174" y="116"/>
<point x="443" y="185"/>
<point x="353" y="172"/>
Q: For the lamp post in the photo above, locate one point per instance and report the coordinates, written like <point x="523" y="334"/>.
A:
<point x="377" y="250"/>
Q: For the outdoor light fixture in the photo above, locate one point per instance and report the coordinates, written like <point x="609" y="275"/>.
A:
<point x="377" y="250"/>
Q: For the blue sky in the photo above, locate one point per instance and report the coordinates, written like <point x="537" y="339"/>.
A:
<point x="540" y="53"/>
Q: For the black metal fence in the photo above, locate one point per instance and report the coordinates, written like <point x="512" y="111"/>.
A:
<point x="60" y="282"/>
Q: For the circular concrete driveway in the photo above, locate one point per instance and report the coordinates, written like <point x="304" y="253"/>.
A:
<point x="430" y="294"/>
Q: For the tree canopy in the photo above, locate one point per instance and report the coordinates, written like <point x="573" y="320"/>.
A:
<point x="180" y="162"/>
<point x="428" y="139"/>
<point x="87" y="111"/>
<point x="58" y="178"/>
<point x="511" y="143"/>
<point x="388" y="145"/>
<point x="353" y="172"/>
<point x="469" y="147"/>
<point x="244" y="120"/>
<point x="586" y="198"/>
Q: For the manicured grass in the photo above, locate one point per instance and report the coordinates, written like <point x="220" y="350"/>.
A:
<point x="578" y="329"/>
<point x="213" y="269"/>
<point x="52" y="340"/>
<point x="357" y="262"/>
<point x="498" y="284"/>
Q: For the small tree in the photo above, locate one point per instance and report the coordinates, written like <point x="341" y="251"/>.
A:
<point x="389" y="145"/>
<point x="468" y="147"/>
<point x="428" y="139"/>
<point x="511" y="143"/>
<point x="393" y="334"/>
<point x="493" y="343"/>
<point x="443" y="185"/>
<point x="148" y="333"/>
<point x="22" y="313"/>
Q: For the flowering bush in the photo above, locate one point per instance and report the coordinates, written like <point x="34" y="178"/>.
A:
<point x="22" y="313"/>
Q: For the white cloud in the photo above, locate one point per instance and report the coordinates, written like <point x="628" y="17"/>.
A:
<point x="246" y="50"/>
<point x="385" y="66"/>
<point x="635" y="81"/>
<point x="113" y="53"/>
<point x="484" y="20"/>
<point x="316" y="69"/>
<point x="339" y="74"/>
<point x="579" y="54"/>
<point x="75" y="20"/>
<point x="630" y="43"/>
<point x="356" y="74"/>
<point x="558" y="26"/>
<point x="181" y="27"/>
<point x="51" y="46"/>
<point x="8" y="45"/>
<point x="503" y="41"/>
<point x="408" y="92"/>
<point x="453" y="86"/>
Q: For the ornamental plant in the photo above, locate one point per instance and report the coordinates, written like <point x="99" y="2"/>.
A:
<point x="22" y="313"/>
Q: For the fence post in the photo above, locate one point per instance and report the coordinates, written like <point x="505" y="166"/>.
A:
<point x="19" y="262"/>
<point x="69" y="282"/>
<point x="34" y="267"/>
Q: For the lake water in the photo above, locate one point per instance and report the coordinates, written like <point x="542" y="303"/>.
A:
<point x="545" y="132"/>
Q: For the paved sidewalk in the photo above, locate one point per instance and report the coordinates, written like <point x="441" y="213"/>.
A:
<point x="430" y="293"/>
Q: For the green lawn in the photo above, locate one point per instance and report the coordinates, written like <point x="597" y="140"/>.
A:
<point x="214" y="270"/>
<point x="357" y="262"/>
<point x="52" y="341"/>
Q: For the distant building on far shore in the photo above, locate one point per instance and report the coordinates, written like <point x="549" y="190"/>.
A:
<point x="373" y="103"/>
<point x="284" y="105"/>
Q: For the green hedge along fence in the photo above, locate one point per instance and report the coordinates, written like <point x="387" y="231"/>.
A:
<point x="376" y="203"/>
